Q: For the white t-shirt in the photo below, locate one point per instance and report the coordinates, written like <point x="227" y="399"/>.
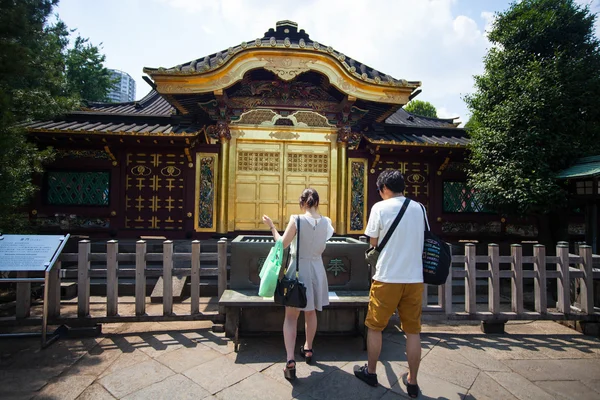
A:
<point x="401" y="260"/>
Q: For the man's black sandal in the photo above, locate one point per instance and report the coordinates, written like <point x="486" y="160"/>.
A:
<point x="303" y="352"/>
<point x="364" y="375"/>
<point x="290" y="370"/>
<point x="412" y="390"/>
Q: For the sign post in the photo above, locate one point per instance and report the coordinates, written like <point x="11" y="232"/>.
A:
<point x="32" y="253"/>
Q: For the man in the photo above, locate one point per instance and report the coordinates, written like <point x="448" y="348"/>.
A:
<point x="398" y="279"/>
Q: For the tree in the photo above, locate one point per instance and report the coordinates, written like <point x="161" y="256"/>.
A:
<point x="33" y="85"/>
<point x="86" y="74"/>
<point x="536" y="105"/>
<point x="422" y="108"/>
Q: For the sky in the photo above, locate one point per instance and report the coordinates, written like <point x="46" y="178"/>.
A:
<point x="438" y="42"/>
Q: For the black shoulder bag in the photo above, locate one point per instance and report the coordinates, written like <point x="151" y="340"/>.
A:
<point x="291" y="292"/>
<point x="372" y="254"/>
<point x="437" y="257"/>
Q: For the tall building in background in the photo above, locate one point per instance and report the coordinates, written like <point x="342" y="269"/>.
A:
<point x="124" y="89"/>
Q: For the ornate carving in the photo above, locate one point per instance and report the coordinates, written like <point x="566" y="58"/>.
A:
<point x="219" y="131"/>
<point x="357" y="195"/>
<point x="251" y="161"/>
<point x="345" y="135"/>
<point x="308" y="162"/>
<point x="286" y="68"/>
<point x="278" y="92"/>
<point x="284" y="135"/>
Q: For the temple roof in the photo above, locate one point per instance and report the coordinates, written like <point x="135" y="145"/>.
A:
<point x="152" y="104"/>
<point x="404" y="118"/>
<point x="287" y="36"/>
<point x="416" y="136"/>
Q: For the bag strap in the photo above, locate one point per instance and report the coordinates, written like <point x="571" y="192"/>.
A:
<point x="297" y="245"/>
<point x="394" y="225"/>
<point x="427" y="229"/>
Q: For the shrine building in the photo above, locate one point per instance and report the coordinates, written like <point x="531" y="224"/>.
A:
<point x="225" y="138"/>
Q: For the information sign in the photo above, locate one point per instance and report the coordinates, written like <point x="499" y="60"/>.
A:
<point x="29" y="252"/>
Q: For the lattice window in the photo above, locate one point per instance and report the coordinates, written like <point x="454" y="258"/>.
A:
<point x="302" y="162"/>
<point x="311" y="119"/>
<point x="459" y="197"/>
<point x="256" y="117"/>
<point x="258" y="161"/>
<point x="77" y="188"/>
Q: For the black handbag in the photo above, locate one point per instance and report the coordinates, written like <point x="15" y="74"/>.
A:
<point x="372" y="253"/>
<point x="437" y="257"/>
<point x="291" y="292"/>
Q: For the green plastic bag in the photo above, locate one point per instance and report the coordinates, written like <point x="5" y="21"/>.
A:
<point x="269" y="274"/>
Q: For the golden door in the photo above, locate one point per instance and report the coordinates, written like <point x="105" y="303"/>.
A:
<point x="270" y="177"/>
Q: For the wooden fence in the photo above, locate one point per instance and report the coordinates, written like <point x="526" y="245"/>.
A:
<point x="538" y="267"/>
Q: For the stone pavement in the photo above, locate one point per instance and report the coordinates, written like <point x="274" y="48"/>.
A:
<point x="537" y="360"/>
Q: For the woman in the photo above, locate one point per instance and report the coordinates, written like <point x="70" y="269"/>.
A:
<point x="315" y="230"/>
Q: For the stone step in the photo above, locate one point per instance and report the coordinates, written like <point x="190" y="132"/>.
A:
<point x="178" y="286"/>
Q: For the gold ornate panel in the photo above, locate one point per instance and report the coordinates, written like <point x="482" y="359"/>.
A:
<point x="357" y="195"/>
<point x="154" y="191"/>
<point x="207" y="168"/>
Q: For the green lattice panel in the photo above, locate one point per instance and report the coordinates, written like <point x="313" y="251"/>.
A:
<point x="78" y="188"/>
<point x="458" y="197"/>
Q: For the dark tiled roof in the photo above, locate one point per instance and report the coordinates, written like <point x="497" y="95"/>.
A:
<point x="421" y="137"/>
<point x="285" y="35"/>
<point x="114" y="128"/>
<point x="404" y="118"/>
<point x="151" y="104"/>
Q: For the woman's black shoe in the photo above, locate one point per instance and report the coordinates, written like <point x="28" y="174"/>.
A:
<point x="303" y="352"/>
<point x="290" y="370"/>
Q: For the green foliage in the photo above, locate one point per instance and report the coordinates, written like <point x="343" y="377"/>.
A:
<point x="86" y="74"/>
<point x="37" y="81"/>
<point x="422" y="108"/>
<point x="536" y="108"/>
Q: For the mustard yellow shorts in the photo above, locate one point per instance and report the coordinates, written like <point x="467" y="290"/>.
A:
<point x="385" y="298"/>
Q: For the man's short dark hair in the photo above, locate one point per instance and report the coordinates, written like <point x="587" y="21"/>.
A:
<point x="393" y="179"/>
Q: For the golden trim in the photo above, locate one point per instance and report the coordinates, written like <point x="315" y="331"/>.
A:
<point x="342" y="187"/>
<point x="285" y="67"/>
<point x="199" y="157"/>
<point x="187" y="154"/>
<point x="351" y="83"/>
<point x="365" y="162"/>
<point x="405" y="143"/>
<point x="107" y="150"/>
<point x="223" y="193"/>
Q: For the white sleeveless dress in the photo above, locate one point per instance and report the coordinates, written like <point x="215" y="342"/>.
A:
<point x="314" y="234"/>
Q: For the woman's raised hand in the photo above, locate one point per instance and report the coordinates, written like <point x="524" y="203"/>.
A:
<point x="267" y="221"/>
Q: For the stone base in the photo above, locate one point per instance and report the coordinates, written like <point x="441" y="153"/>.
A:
<point x="492" y="327"/>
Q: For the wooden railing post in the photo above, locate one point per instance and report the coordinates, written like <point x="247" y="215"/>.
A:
<point x="83" y="278"/>
<point x="448" y="293"/>
<point x="222" y="268"/>
<point x="563" y="284"/>
<point x="168" y="277"/>
<point x="539" y="266"/>
<point x="494" y="279"/>
<point x="54" y="294"/>
<point x="587" y="283"/>
<point x="516" y="251"/>
<point x="470" y="279"/>
<point x="112" y="282"/>
<point x="23" y="306"/>
<point x="140" y="277"/>
<point x="195" y="278"/>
